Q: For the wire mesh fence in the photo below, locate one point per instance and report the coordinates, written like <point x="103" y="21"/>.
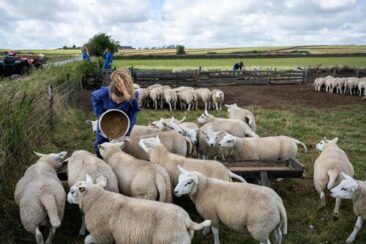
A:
<point x="45" y="106"/>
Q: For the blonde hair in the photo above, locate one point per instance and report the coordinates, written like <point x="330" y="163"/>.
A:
<point x="122" y="83"/>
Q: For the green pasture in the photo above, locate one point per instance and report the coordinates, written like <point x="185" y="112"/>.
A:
<point x="307" y="221"/>
<point x="226" y="64"/>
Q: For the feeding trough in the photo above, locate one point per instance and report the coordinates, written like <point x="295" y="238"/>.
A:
<point x="264" y="170"/>
<point x="113" y="124"/>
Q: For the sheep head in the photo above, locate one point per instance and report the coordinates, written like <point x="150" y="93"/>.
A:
<point x="187" y="183"/>
<point x="323" y="143"/>
<point x="227" y="141"/>
<point x="345" y="189"/>
<point x="55" y="159"/>
<point x="147" y="144"/>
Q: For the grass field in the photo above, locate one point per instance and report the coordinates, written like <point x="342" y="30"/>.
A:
<point x="279" y="63"/>
<point x="308" y="223"/>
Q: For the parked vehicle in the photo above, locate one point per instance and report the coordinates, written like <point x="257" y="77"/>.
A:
<point x="19" y="64"/>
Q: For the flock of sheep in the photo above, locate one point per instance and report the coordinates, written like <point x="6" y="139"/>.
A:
<point x="127" y="196"/>
<point x="157" y="95"/>
<point x="341" y="85"/>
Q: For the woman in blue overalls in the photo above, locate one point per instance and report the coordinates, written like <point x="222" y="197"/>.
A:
<point x="118" y="95"/>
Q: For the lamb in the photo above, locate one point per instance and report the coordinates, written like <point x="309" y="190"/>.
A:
<point x="137" y="178"/>
<point x="82" y="163"/>
<point x="155" y="96"/>
<point x="218" y="98"/>
<point x="232" y="126"/>
<point x="153" y="86"/>
<point x="114" y="217"/>
<point x="144" y="97"/>
<point x="339" y="83"/>
<point x="174" y="142"/>
<point x="237" y="205"/>
<point x="328" y="167"/>
<point x="241" y="114"/>
<point x="362" y="86"/>
<point x="187" y="97"/>
<point x="170" y="97"/>
<point x="318" y="83"/>
<point x="208" y="147"/>
<point x="263" y="148"/>
<point x="183" y="88"/>
<point x="160" y="155"/>
<point x="328" y="80"/>
<point x="188" y="129"/>
<point x="40" y="194"/>
<point x="349" y="188"/>
<point x="140" y="130"/>
<point x="161" y="124"/>
<point x="204" y="95"/>
<point x="351" y="83"/>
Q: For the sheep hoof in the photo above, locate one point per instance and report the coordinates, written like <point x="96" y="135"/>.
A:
<point x="82" y="232"/>
<point x="206" y="231"/>
<point x="335" y="216"/>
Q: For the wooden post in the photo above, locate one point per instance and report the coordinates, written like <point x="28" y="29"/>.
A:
<point x="264" y="179"/>
<point x="357" y="73"/>
<point x="334" y="71"/>
<point x="306" y="75"/>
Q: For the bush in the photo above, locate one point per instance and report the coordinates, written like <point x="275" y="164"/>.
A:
<point x="180" y="49"/>
<point x="98" y="43"/>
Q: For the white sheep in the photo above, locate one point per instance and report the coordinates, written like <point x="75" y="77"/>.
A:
<point x="339" y="83"/>
<point x="136" y="178"/>
<point x="328" y="167"/>
<point x="187" y="97"/>
<point x="82" y="163"/>
<point x="362" y="86"/>
<point x="208" y="147"/>
<point x="204" y="94"/>
<point x="153" y="86"/>
<point x="241" y="114"/>
<point x="232" y="126"/>
<point x="113" y="217"/>
<point x="237" y="205"/>
<point x="144" y="97"/>
<point x="41" y="196"/>
<point x="351" y="83"/>
<point x="218" y="98"/>
<point x="262" y="148"/>
<point x="161" y="124"/>
<point x="174" y="142"/>
<point x="160" y="155"/>
<point x="349" y="188"/>
<point x="155" y="96"/>
<point x="318" y="83"/>
<point x="171" y="98"/>
<point x="140" y="130"/>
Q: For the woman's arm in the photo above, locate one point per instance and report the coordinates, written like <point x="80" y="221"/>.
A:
<point x="97" y="101"/>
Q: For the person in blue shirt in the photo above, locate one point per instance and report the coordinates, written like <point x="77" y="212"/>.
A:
<point x="238" y="67"/>
<point x="108" y="56"/>
<point x="118" y="95"/>
<point x="86" y="56"/>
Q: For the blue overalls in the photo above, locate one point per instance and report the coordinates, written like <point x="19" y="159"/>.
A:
<point x="102" y="101"/>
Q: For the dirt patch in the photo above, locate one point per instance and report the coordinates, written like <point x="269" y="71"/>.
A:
<point x="267" y="96"/>
<point x="282" y="96"/>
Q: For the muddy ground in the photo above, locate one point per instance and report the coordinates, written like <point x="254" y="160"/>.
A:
<point x="268" y="96"/>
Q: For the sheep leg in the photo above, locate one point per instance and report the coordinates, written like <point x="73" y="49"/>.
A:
<point x="357" y="228"/>
<point x="220" y="106"/>
<point x="215" y="232"/>
<point x="209" y="105"/>
<point x="51" y="234"/>
<point x="205" y="106"/>
<point x="89" y="239"/>
<point x="189" y="107"/>
<point x="205" y="231"/>
<point x="216" y="106"/>
<point x="278" y="235"/>
<point x="322" y="199"/>
<point x="336" y="208"/>
<point x="170" y="106"/>
<point x="82" y="227"/>
<point x="39" y="237"/>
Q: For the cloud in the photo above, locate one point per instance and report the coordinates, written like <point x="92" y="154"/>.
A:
<point x="200" y="23"/>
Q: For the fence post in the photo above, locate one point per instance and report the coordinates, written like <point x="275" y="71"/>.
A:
<point x="306" y="75"/>
<point x="50" y="103"/>
<point x="357" y="73"/>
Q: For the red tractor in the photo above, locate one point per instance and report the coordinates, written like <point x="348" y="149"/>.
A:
<point x="19" y="64"/>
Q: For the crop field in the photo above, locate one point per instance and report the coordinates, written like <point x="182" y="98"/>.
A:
<point x="226" y="64"/>
<point x="300" y="113"/>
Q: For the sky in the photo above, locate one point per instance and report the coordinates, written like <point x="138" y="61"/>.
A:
<point x="48" y="24"/>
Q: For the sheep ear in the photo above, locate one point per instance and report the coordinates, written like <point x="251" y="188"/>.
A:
<point x="335" y="140"/>
<point x="172" y="119"/>
<point x="164" y="123"/>
<point x="182" y="170"/>
<point x="195" y="179"/>
<point x="101" y="181"/>
<point x="184" y="130"/>
<point x="143" y="146"/>
<point x="89" y="180"/>
<point x="120" y="144"/>
<point x="347" y="177"/>
<point x="39" y="154"/>
<point x="183" y="119"/>
<point x="218" y="132"/>
<point x="227" y="105"/>
<point x="204" y="132"/>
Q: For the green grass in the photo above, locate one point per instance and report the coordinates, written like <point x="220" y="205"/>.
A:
<point x="279" y="63"/>
<point x="300" y="198"/>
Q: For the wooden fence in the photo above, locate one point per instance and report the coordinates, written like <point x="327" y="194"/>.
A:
<point x="199" y="78"/>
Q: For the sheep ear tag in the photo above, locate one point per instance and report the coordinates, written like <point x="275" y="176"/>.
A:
<point x="82" y="189"/>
